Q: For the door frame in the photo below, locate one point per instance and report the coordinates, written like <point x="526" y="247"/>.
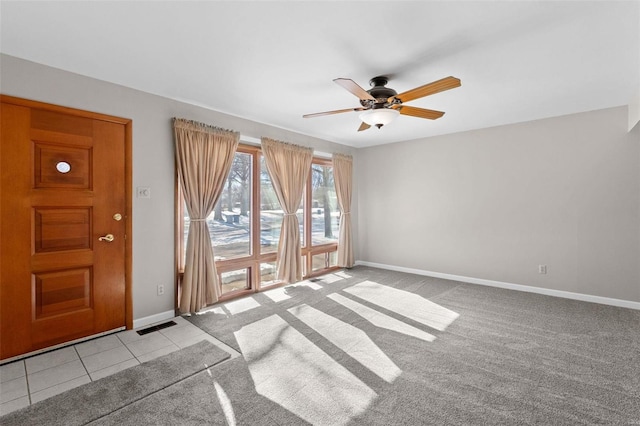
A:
<point x="128" y="127"/>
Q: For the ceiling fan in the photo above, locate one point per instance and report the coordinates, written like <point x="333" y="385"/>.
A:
<point x="382" y="104"/>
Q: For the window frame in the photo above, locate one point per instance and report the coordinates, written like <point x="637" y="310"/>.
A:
<point x="253" y="261"/>
<point x="309" y="250"/>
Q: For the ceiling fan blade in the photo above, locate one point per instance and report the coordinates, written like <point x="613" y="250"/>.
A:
<point x="363" y="126"/>
<point x="338" y="111"/>
<point x="428" y="89"/>
<point x="353" y="87"/>
<point x="420" y="112"/>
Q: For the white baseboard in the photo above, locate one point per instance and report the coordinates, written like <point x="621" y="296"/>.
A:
<point x="546" y="291"/>
<point x="152" y="319"/>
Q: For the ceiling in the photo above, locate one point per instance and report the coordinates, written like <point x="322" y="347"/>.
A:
<point x="272" y="62"/>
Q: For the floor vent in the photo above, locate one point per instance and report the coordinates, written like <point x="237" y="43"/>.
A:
<point x="156" y="328"/>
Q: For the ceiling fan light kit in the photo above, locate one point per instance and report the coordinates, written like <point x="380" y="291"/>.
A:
<point x="379" y="117"/>
<point x="381" y="104"/>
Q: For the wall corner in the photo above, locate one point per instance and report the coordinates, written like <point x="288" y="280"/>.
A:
<point x="634" y="111"/>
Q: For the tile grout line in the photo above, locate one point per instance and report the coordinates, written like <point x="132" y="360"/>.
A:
<point x="26" y="379"/>
<point x="30" y="394"/>
<point x="133" y="357"/>
<point x="82" y="362"/>
<point x="129" y="350"/>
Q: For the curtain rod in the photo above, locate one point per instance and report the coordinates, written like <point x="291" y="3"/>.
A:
<point x="256" y="141"/>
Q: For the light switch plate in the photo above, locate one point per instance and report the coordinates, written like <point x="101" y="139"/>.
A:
<point x="143" y="192"/>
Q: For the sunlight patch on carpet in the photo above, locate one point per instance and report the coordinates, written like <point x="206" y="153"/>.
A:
<point x="381" y="320"/>
<point x="331" y="278"/>
<point x="291" y="371"/>
<point x="309" y="284"/>
<point x="342" y="274"/>
<point x="277" y="294"/>
<point x="225" y="403"/>
<point x="217" y="310"/>
<point x="350" y="339"/>
<point x="241" y="305"/>
<point x="407" y="304"/>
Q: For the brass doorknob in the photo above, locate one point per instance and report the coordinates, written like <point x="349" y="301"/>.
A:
<point x="108" y="238"/>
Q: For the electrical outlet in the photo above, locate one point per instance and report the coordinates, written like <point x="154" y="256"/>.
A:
<point x="160" y="289"/>
<point x="542" y="269"/>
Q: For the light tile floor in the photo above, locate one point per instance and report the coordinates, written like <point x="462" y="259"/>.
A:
<point x="39" y="377"/>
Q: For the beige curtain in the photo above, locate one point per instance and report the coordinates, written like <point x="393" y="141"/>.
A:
<point x="342" y="176"/>
<point x="288" y="165"/>
<point x="204" y="155"/>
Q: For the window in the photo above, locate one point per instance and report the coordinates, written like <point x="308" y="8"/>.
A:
<point x="246" y="221"/>
<point x="324" y="206"/>
<point x="230" y="222"/>
<point x="321" y="218"/>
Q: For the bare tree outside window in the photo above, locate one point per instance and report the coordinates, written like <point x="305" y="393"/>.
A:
<point x="230" y="222"/>
<point x="324" y="210"/>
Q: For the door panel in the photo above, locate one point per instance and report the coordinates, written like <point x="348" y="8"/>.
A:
<point x="53" y="166"/>
<point x="58" y="229"/>
<point x="63" y="180"/>
<point x="60" y="292"/>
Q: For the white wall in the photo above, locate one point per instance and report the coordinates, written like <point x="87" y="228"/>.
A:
<point x="634" y="110"/>
<point x="490" y="204"/>
<point x="153" y="159"/>
<point x="495" y="203"/>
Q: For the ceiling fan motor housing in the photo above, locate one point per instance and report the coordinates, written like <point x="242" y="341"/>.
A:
<point x="378" y="91"/>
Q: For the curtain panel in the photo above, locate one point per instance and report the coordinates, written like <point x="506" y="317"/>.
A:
<point x="288" y="166"/>
<point x="204" y="155"/>
<point x="342" y="176"/>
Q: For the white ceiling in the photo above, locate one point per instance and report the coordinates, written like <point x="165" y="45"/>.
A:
<point x="272" y="62"/>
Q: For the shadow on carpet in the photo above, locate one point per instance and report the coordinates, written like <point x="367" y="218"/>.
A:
<point x="374" y="347"/>
<point x="224" y="320"/>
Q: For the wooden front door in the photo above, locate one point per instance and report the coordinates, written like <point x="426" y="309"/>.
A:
<point x="64" y="217"/>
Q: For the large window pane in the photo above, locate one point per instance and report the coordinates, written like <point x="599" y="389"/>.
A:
<point x="231" y="225"/>
<point x="230" y="222"/>
<point x="271" y="213"/>
<point x="324" y="209"/>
